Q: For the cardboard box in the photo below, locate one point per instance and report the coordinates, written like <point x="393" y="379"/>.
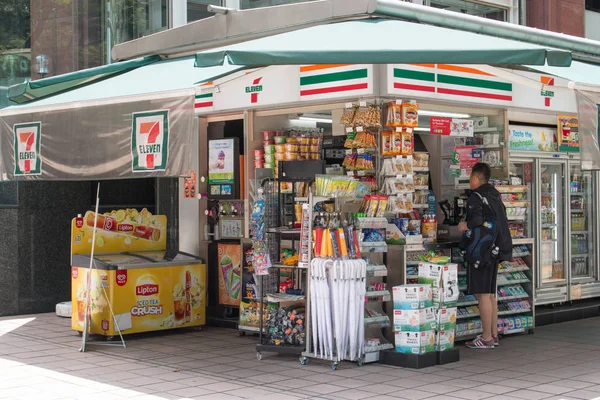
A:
<point x="415" y="342"/>
<point x="412" y="297"/>
<point x="444" y="282"/>
<point x="414" y="320"/>
<point x="450" y="285"/>
<point x="444" y="340"/>
<point x="430" y="274"/>
<point x="446" y="319"/>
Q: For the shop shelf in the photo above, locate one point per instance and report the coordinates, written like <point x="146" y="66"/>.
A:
<point x="467" y="334"/>
<point x="517" y="204"/>
<point x="485" y="130"/>
<point x="503" y="282"/>
<point x="579" y="255"/>
<point x="382" y="319"/>
<point x="420" y="169"/>
<point x="377" y="349"/>
<point x="577" y="194"/>
<point x="284" y="231"/>
<point x="283" y="266"/>
<point x="548" y="226"/>
<point x="467" y="303"/>
<point x="512" y="189"/>
<point x="462" y="273"/>
<point x="521" y="254"/>
<point x="377" y="270"/>
<point x="511" y="312"/>
<point x="420" y="206"/>
<point x="421" y="187"/>
<point x="373" y="247"/>
<point x="467" y="316"/>
<point x="515" y="297"/>
<point x="513" y="331"/>
<point x="512" y="269"/>
<point x="516" y="217"/>
<point x="371" y="222"/>
<point x="579" y="232"/>
<point x="282" y="298"/>
<point x="462" y="288"/>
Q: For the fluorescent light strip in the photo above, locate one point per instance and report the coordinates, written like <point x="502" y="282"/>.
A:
<point x="428" y="113"/>
<point x="321" y="120"/>
<point x="422" y="129"/>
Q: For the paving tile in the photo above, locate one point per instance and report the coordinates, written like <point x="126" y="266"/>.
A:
<point x="584" y="394"/>
<point x="322" y="388"/>
<point x="517" y="383"/>
<point x="471" y="394"/>
<point x="530" y="394"/>
<point x="495" y="389"/>
<point x="191" y="392"/>
<point x="352" y="394"/>
<point x="415" y="394"/>
<point x="551" y="388"/>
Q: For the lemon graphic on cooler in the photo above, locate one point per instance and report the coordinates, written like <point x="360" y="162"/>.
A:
<point x="100" y="241"/>
<point x="120" y="216"/>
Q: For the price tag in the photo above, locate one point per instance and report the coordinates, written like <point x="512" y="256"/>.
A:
<point x="413" y="102"/>
<point x="362" y="173"/>
<point x="363" y="103"/>
<point x="349" y="129"/>
<point x="360" y="151"/>
<point x="359" y="129"/>
<point x="399" y="102"/>
<point x="348" y="151"/>
<point x="349" y="105"/>
<point x="409" y="130"/>
<point x="398" y="129"/>
<point x="350" y="173"/>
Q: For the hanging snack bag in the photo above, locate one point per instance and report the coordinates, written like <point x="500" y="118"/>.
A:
<point x="396" y="143"/>
<point x="408" y="143"/>
<point x="348" y="116"/>
<point x="373" y="206"/>
<point x="386" y="144"/>
<point x="373" y="116"/>
<point x="410" y="115"/>
<point x="409" y="183"/>
<point x="381" y="206"/>
<point x="407" y="164"/>
<point x="421" y="160"/>
<point x="394" y="115"/>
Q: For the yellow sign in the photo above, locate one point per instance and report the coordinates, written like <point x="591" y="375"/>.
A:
<point x="143" y="299"/>
<point x="127" y="230"/>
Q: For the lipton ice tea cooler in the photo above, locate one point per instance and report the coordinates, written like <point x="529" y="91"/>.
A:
<point x="148" y="289"/>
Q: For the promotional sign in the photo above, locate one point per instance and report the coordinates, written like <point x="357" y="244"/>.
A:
<point x="451" y="127"/>
<point x="127" y="230"/>
<point x="189" y="186"/>
<point x="27" y="139"/>
<point x="142" y="299"/>
<point x="568" y="133"/>
<point x="532" y="138"/>
<point x="221" y="166"/>
<point x="230" y="273"/>
<point x="150" y="141"/>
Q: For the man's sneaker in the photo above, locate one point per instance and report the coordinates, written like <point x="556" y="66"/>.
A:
<point x="479" y="343"/>
<point x="496" y="340"/>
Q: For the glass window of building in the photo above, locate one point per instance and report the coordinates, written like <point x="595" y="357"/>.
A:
<point x="196" y="9"/>
<point x="471" y="8"/>
<point x="133" y="19"/>
<point x="15" y="45"/>
<point x="246" y="4"/>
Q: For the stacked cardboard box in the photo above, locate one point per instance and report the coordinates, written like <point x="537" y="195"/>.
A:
<point x="443" y="280"/>
<point x="414" y="319"/>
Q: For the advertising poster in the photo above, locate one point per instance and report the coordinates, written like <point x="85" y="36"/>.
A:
<point x="127" y="230"/>
<point x="451" y="127"/>
<point x="143" y="299"/>
<point x="230" y="273"/>
<point x="532" y="138"/>
<point x="189" y="186"/>
<point x="568" y="133"/>
<point x="221" y="162"/>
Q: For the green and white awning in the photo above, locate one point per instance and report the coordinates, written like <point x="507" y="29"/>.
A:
<point x="382" y="41"/>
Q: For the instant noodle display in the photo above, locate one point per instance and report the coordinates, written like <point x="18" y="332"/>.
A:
<point x="291" y="144"/>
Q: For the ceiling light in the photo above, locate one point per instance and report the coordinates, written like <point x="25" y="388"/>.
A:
<point x="443" y="114"/>
<point x="321" y="120"/>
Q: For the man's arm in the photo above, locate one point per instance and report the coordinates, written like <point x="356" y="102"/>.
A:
<point x="474" y="211"/>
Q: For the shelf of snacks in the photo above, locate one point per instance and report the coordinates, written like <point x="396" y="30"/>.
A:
<point x="288" y="145"/>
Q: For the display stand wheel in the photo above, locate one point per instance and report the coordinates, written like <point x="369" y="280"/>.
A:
<point x="242" y="333"/>
<point x="530" y="331"/>
<point x="109" y="338"/>
<point x="258" y="356"/>
<point x="360" y="362"/>
<point x="334" y="365"/>
<point x="79" y="333"/>
<point x="303" y="360"/>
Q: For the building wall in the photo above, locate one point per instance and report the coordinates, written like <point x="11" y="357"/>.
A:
<point x="592" y="25"/>
<point x="563" y="16"/>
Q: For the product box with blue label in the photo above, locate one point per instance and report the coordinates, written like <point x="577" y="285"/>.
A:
<point x="414" y="320"/>
<point x="412" y="297"/>
<point x="446" y="319"/>
<point x="444" y="340"/>
<point x="415" y="342"/>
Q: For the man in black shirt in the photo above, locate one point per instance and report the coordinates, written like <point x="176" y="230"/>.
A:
<point x="482" y="278"/>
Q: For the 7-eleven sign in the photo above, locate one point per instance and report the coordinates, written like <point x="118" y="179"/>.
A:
<point x="27" y="148"/>
<point x="150" y="141"/>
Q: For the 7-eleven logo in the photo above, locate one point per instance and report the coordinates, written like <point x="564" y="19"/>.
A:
<point x="27" y="148"/>
<point x="254" y="90"/>
<point x="150" y="141"/>
<point x="548" y="94"/>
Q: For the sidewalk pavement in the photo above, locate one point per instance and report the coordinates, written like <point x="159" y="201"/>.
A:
<point x="39" y="359"/>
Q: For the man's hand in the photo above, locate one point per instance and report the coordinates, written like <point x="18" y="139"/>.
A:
<point x="462" y="227"/>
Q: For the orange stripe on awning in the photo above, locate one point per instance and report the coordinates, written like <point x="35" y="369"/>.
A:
<point x="309" y="68"/>
<point x="467" y="70"/>
<point x="424" y="65"/>
<point x="207" y="83"/>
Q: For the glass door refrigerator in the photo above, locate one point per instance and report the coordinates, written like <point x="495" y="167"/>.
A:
<point x="551" y="200"/>
<point x="582" y="221"/>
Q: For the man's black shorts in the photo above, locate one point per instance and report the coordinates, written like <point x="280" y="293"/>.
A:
<point x="482" y="280"/>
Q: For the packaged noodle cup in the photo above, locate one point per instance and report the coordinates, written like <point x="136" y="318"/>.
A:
<point x="289" y="156"/>
<point x="270" y="157"/>
<point x="280" y="148"/>
<point x="279" y="140"/>
<point x="268" y="135"/>
<point x="291" y="140"/>
<point x="279" y="156"/>
<point x="304" y="140"/>
<point x="314" y="148"/>
<point x="304" y="148"/>
<point x="292" y="148"/>
<point x="270" y="165"/>
<point x="269" y="149"/>
<point x="259" y="154"/>
<point x="315" y="141"/>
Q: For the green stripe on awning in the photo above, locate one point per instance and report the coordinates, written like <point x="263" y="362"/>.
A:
<point x="204" y="96"/>
<point x="333" y="77"/>
<point x="472" y="82"/>
<point x="416" y="75"/>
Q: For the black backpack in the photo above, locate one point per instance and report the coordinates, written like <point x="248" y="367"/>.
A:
<point x="481" y="245"/>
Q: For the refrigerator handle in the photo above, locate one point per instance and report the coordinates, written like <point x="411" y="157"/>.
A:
<point x="536" y="208"/>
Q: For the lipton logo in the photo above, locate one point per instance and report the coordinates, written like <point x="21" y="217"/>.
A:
<point x="547" y="94"/>
<point x="125" y="228"/>
<point x="254" y="90"/>
<point x="79" y="222"/>
<point x="74" y="273"/>
<point x="27" y="138"/>
<point x="146" y="290"/>
<point x="150" y="141"/>
<point x="121" y="277"/>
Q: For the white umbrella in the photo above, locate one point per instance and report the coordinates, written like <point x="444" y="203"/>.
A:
<point x="313" y="303"/>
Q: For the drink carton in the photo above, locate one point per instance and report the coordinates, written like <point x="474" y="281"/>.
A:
<point x="446" y="319"/>
<point x="430" y="274"/>
<point x="444" y="340"/>
<point x="414" y="320"/>
<point x="412" y="297"/>
<point x="415" y="342"/>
